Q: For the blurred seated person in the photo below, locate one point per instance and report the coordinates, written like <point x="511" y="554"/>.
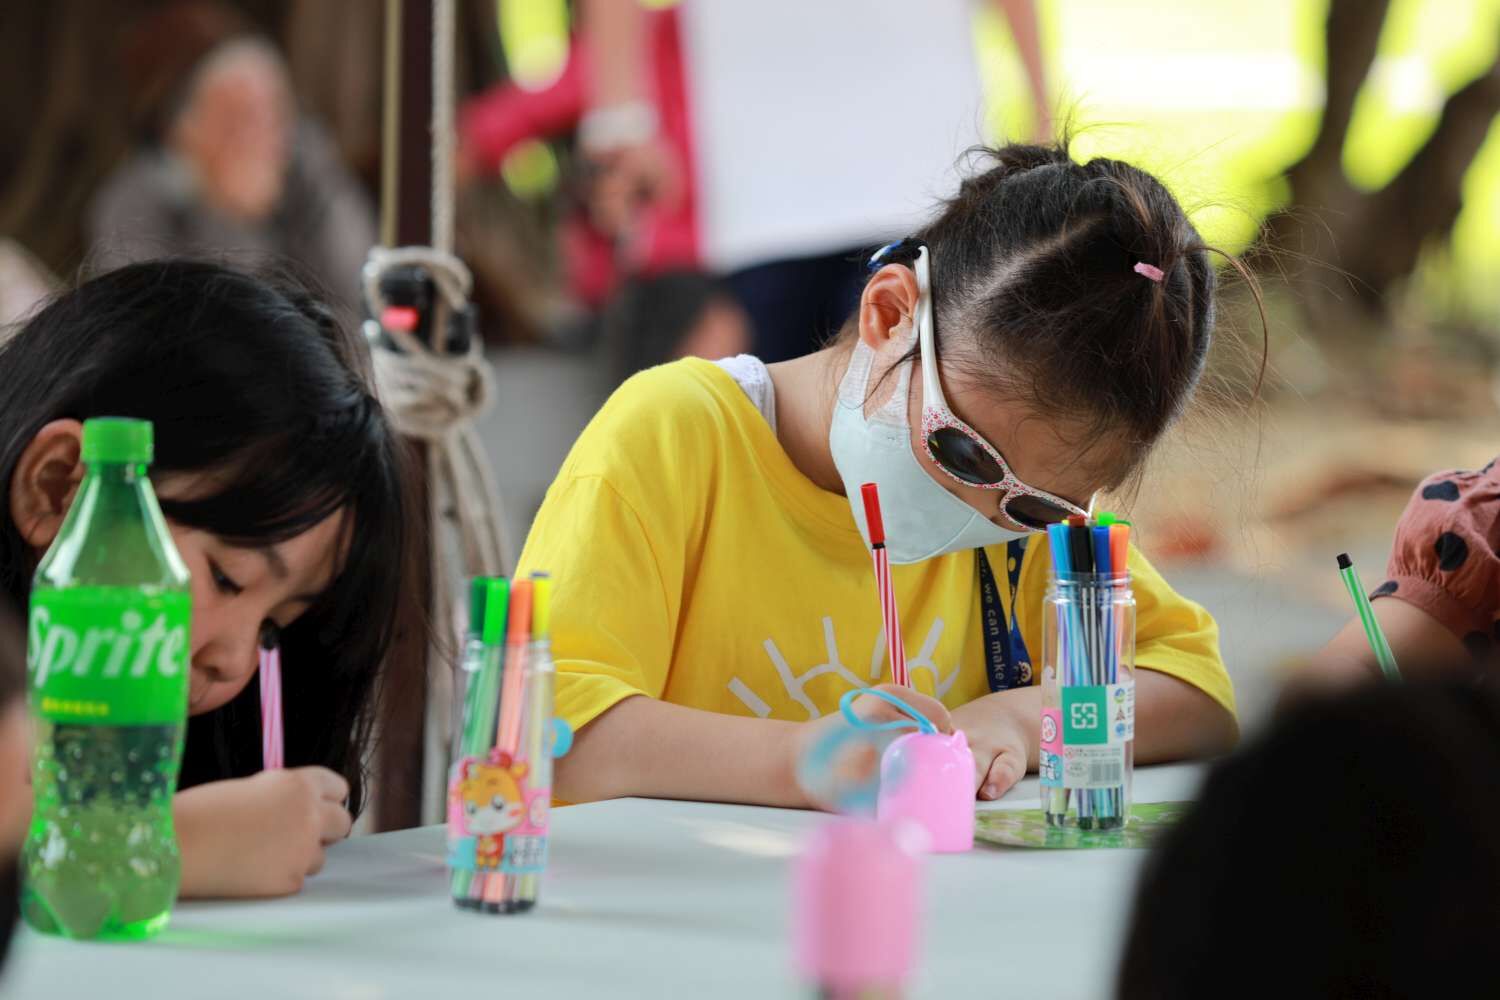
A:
<point x="698" y="157"/>
<point x="1348" y="851"/>
<point x="755" y="120"/>
<point x="676" y="314"/>
<point x="225" y="166"/>
<point x="637" y="265"/>
<point x="1439" y="602"/>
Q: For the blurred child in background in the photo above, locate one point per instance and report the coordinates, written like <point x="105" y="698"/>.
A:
<point x="1349" y="851"/>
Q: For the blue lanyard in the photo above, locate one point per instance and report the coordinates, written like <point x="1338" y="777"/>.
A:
<point x="1007" y="664"/>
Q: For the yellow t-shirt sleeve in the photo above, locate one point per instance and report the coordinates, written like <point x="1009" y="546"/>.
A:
<point x="1176" y="636"/>
<point x="1173" y="635"/>
<point x="612" y="612"/>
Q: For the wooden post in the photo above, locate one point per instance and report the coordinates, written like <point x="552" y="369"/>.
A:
<point x="414" y="182"/>
<point x="407" y="204"/>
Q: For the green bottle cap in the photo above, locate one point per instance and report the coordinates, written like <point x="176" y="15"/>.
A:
<point x="117" y="439"/>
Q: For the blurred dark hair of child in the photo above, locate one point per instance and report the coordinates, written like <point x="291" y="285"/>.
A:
<point x="15" y="761"/>
<point x="1350" y="851"/>
<point x="677" y="314"/>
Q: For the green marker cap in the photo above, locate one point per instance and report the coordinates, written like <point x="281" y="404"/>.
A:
<point x="496" y="605"/>
<point x="479" y="588"/>
<point x="1105" y="519"/>
<point x="117" y="439"/>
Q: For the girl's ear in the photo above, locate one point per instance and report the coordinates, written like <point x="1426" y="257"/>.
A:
<point x="46" y="477"/>
<point x="886" y="307"/>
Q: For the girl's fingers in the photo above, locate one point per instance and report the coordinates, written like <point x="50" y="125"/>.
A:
<point x="939" y="717"/>
<point x="319" y="858"/>
<point x="334" y="823"/>
<point x="1006" y="769"/>
<point x="935" y="711"/>
<point x="331" y="787"/>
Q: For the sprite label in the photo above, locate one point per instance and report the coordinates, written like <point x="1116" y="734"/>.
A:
<point x="113" y="656"/>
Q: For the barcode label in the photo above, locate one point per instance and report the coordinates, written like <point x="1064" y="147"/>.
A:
<point x="524" y="855"/>
<point x="1094" y="767"/>
<point x="1106" y="774"/>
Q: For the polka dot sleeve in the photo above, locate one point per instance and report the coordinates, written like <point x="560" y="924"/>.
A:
<point x="1446" y="558"/>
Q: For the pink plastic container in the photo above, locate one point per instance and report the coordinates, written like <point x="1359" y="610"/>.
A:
<point x="928" y="779"/>
<point x="856" y="907"/>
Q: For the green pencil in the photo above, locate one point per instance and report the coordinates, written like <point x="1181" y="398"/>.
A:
<point x="1367" y="618"/>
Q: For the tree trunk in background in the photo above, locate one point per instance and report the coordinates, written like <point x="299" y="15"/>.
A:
<point x="1424" y="200"/>
<point x="1353" y="36"/>
<point x="1342" y="249"/>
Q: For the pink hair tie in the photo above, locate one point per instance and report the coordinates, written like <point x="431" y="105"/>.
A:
<point x="1148" y="271"/>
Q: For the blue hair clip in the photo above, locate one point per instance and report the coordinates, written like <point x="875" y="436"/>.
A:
<point x="902" y="251"/>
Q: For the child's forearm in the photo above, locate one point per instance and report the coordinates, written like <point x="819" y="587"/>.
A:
<point x="1421" y="644"/>
<point x="1176" y="721"/>
<point x="1173" y="720"/>
<point x="652" y="748"/>
<point x="202" y="865"/>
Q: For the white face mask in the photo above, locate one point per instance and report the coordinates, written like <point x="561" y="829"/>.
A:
<point x="922" y="520"/>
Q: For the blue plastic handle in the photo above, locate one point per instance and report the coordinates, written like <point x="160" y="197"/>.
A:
<point x="917" y="720"/>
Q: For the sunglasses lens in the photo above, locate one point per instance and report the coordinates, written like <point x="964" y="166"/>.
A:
<point x="1034" y="512"/>
<point x="962" y="456"/>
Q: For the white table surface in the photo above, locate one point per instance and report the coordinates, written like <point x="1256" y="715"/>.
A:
<point x="643" y="898"/>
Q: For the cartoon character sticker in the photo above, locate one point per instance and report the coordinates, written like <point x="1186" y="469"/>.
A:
<point x="487" y="800"/>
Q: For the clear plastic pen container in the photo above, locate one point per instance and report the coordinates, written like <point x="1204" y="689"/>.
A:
<point x="499" y="801"/>
<point x="1088" y="700"/>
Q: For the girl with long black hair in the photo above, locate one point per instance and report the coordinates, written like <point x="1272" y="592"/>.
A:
<point x="283" y="484"/>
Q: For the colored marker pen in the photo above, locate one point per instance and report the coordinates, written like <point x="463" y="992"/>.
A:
<point x="538" y="739"/>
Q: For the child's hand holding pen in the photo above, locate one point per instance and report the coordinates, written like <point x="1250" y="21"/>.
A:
<point x="1000" y="737"/>
<point x="863" y="766"/>
<point x="261" y="835"/>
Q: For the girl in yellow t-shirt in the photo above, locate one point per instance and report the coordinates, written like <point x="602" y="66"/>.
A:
<point x="714" y="593"/>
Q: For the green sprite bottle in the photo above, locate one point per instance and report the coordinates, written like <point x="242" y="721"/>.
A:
<point x="108" y="650"/>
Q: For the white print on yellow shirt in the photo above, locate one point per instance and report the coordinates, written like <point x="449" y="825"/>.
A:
<point x="795" y="684"/>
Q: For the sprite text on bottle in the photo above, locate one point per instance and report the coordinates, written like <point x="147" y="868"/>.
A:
<point x="111" y="658"/>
